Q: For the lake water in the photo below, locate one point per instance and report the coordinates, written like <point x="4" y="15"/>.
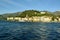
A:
<point x="29" y="31"/>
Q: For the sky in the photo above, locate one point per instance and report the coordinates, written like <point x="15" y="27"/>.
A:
<point x="11" y="6"/>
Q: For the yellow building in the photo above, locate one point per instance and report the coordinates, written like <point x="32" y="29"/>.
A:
<point x="45" y="19"/>
<point x="36" y="19"/>
<point x="59" y="19"/>
<point x="25" y="19"/>
<point x="42" y="12"/>
<point x="14" y="18"/>
<point x="17" y="18"/>
<point x="30" y="19"/>
<point x="10" y="18"/>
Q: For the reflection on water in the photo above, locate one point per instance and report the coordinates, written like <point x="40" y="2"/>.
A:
<point x="29" y="31"/>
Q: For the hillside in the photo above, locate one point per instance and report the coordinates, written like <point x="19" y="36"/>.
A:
<point x="30" y="13"/>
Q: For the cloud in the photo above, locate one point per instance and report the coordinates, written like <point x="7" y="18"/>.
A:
<point x="13" y="3"/>
<point x="6" y="4"/>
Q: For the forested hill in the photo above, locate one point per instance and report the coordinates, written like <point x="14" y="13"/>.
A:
<point x="30" y="13"/>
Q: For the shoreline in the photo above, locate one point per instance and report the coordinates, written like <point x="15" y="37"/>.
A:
<point x="34" y="21"/>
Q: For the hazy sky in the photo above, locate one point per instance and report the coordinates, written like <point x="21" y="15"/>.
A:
<point x="8" y="6"/>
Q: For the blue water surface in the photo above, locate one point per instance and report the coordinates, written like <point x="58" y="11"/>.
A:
<point x="29" y="31"/>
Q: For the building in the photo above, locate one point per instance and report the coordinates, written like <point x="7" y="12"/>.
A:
<point x="25" y="19"/>
<point x="14" y="18"/>
<point x="45" y="19"/>
<point x="30" y="19"/>
<point x="59" y="19"/>
<point x="10" y="18"/>
<point x="17" y="18"/>
<point x="42" y="12"/>
<point x="36" y="19"/>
